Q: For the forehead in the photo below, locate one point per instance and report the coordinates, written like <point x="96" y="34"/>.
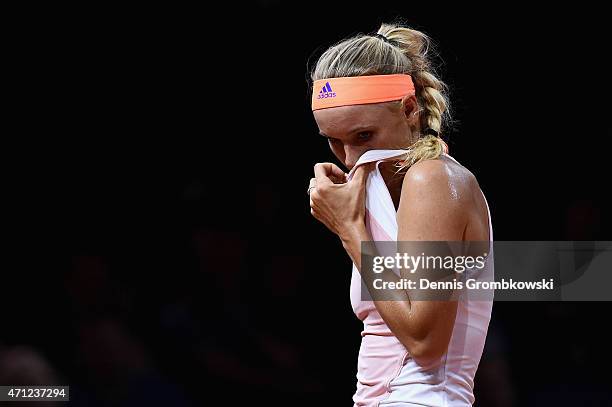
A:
<point x="346" y="117"/>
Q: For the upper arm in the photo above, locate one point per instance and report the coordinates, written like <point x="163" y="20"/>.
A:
<point x="433" y="206"/>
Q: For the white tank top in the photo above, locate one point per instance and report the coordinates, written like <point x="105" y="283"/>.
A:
<point x="386" y="373"/>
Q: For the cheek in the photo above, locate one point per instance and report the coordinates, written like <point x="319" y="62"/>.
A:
<point x="398" y="138"/>
<point x="383" y="140"/>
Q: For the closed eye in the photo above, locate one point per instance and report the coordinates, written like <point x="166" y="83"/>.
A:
<point x="364" y="135"/>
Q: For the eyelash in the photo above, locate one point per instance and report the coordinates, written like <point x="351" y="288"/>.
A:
<point x="369" y="135"/>
<point x="359" y="136"/>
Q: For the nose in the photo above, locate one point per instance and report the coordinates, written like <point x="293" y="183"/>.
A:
<point x="351" y="155"/>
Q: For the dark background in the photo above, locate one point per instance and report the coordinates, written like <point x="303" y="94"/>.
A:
<point x="164" y="253"/>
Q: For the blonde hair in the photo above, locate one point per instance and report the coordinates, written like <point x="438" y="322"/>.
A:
<point x="404" y="51"/>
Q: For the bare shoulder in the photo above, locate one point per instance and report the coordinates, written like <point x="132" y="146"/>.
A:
<point x="442" y="176"/>
<point x="437" y="201"/>
<point x="441" y="200"/>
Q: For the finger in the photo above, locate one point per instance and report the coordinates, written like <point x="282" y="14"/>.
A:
<point x="340" y="179"/>
<point x="312" y="183"/>
<point x="332" y="170"/>
<point x="360" y="174"/>
<point x="314" y="214"/>
<point x="337" y="175"/>
<point x="322" y="172"/>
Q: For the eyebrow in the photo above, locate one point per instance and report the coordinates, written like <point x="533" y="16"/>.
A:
<point x="354" y="130"/>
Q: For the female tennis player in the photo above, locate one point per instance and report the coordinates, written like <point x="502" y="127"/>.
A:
<point x="379" y="92"/>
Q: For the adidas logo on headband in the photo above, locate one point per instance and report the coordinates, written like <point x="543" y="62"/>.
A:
<point x="326" y="92"/>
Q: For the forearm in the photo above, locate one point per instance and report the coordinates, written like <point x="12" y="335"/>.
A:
<point x="412" y="322"/>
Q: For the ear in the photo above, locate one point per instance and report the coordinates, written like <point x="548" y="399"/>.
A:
<point x="411" y="108"/>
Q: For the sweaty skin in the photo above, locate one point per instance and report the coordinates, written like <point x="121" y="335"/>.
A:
<point x="436" y="200"/>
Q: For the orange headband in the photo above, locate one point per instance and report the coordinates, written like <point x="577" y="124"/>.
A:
<point x="359" y="90"/>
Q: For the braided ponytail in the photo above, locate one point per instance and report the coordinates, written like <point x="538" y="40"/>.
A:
<point x="430" y="93"/>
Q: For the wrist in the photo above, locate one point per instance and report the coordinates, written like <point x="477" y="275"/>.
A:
<point x="354" y="233"/>
<point x="351" y="241"/>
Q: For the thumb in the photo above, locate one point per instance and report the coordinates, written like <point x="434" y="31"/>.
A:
<point x="361" y="173"/>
